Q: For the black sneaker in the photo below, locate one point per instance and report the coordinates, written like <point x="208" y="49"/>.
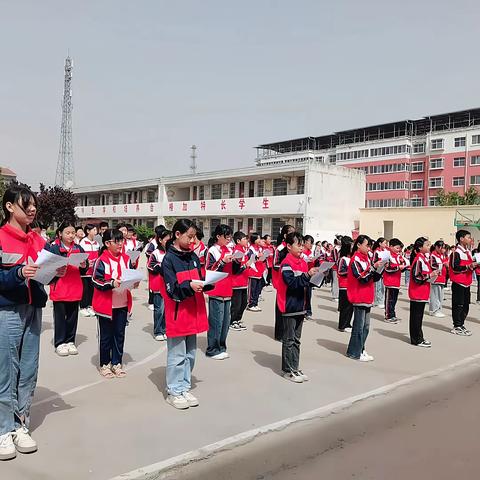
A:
<point x="235" y="326"/>
<point x="392" y="320"/>
<point x="425" y="344"/>
<point x="241" y="326"/>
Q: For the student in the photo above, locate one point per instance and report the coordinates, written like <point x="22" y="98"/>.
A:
<point x="267" y="239"/>
<point x="156" y="284"/>
<point x="392" y="277"/>
<point x="291" y="300"/>
<point x="361" y="293"/>
<point x="112" y="305"/>
<point x="79" y="234"/>
<point x="219" y="259"/>
<point x="21" y="302"/>
<point x="101" y="229"/>
<point x="335" y="257"/>
<point x="185" y="313"/>
<point x="255" y="280"/>
<point x="281" y="252"/>
<point x="240" y="272"/>
<point x="91" y="246"/>
<point x="307" y="256"/>
<point x="151" y="246"/>
<point x="461" y="273"/>
<point x="406" y="256"/>
<point x="380" y="245"/>
<point x="66" y="293"/>
<point x="131" y="242"/>
<point x="345" y="308"/>
<point x="421" y="274"/>
<point x="439" y="262"/>
<point x="200" y="248"/>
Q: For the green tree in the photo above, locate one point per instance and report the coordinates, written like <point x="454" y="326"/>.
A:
<point x="170" y="222"/>
<point x="144" y="233"/>
<point x="55" y="205"/>
<point x="472" y="196"/>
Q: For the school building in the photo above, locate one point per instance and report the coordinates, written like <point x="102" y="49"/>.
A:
<point x="318" y="199"/>
<point x="406" y="162"/>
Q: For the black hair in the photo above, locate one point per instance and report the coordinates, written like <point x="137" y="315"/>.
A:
<point x="307" y="238"/>
<point x="162" y="234"/>
<point x="19" y="194"/>
<point x="130" y="227"/>
<point x="35" y="224"/>
<point x="254" y="236"/>
<point x="102" y="224"/>
<point x="65" y="224"/>
<point x="293" y="237"/>
<point x="88" y="227"/>
<point x="237" y="236"/>
<point x="221" y="230"/>
<point x="437" y="244"/>
<point x="461" y="234"/>
<point x="78" y="227"/>
<point x="158" y="230"/>
<point x="266" y="236"/>
<point x="199" y="233"/>
<point x="345" y="246"/>
<point x="377" y="243"/>
<point x="110" y="235"/>
<point x="182" y="225"/>
<point x="359" y="241"/>
<point x="283" y="233"/>
<point x="120" y="225"/>
<point x="324" y="242"/>
<point x="395" y="242"/>
<point x="419" y="242"/>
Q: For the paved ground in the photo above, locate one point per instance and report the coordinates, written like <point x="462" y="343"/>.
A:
<point x="91" y="428"/>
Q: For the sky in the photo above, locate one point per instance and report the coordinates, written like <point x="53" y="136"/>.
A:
<point x="153" y="77"/>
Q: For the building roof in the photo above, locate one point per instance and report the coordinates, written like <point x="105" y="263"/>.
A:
<point x="432" y="123"/>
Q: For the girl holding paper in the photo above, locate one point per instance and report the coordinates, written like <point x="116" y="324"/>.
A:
<point x="91" y="246"/>
<point x="66" y="292"/>
<point x="111" y="303"/>
<point x="392" y="278"/>
<point x="21" y="303"/>
<point x="267" y="239"/>
<point x="219" y="258"/>
<point x="378" y="248"/>
<point x="438" y="261"/>
<point x="258" y="266"/>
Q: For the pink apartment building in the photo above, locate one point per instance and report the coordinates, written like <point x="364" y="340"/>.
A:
<point x="406" y="162"/>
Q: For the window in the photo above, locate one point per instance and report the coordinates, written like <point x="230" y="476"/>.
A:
<point x="260" y="188"/>
<point x="299" y="225"/>
<point x="436" y="163"/>
<point x="381" y="186"/>
<point x="435" y="182"/>
<point x="241" y="189"/>
<point x="151" y="196"/>
<point x="231" y="224"/>
<point x="259" y="228"/>
<point x="393" y="150"/>
<point x="416" y="202"/>
<point x="231" y="190"/>
<point x="433" y="202"/>
<point x="459" y="162"/>
<point x="475" y="180"/>
<point x="458" y="181"/>
<point x="333" y="158"/>
<point x="475" y="160"/>
<point x="475" y="139"/>
<point x="201" y="192"/>
<point x="213" y="223"/>
<point x="279" y="186"/>
<point x="416" y="185"/>
<point x="460" y="142"/>
<point x="251" y="188"/>
<point x="417" y="167"/>
<point x="385" y="168"/>
<point x="300" y="185"/>
<point x="277" y="224"/>
<point x="250" y="225"/>
<point x="115" y="199"/>
<point x="216" y="191"/>
<point x="386" y="203"/>
<point x="437" y="144"/>
<point x="419" y="148"/>
<point x="352" y="155"/>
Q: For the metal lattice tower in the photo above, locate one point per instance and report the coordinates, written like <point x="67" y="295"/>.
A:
<point x="193" y="156"/>
<point x="65" y="176"/>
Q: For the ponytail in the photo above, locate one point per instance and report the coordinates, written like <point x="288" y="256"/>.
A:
<point x="419" y="242"/>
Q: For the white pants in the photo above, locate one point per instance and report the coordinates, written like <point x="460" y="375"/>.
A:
<point x="436" y="297"/>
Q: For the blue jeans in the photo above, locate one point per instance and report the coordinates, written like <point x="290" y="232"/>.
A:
<point x="112" y="336"/>
<point x="360" y="329"/>
<point x="180" y="361"/>
<point x="218" y="325"/>
<point x="379" y="293"/>
<point x="158" y="314"/>
<point x="20" y="328"/>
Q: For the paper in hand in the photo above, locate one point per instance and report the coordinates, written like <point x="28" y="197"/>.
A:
<point x="133" y="255"/>
<point x="75" y="259"/>
<point x="212" y="277"/>
<point x="129" y="278"/>
<point x="238" y="255"/>
<point x="317" y="279"/>
<point x="477" y="257"/>
<point x="49" y="263"/>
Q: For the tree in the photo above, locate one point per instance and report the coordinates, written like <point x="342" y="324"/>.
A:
<point x="55" y="205"/>
<point x="472" y="196"/>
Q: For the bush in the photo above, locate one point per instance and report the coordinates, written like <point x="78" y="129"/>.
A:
<point x="144" y="233"/>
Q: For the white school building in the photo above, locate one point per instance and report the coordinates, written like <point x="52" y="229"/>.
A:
<point x="318" y="199"/>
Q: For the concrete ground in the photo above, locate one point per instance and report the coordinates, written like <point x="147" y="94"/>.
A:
<point x="91" y="428"/>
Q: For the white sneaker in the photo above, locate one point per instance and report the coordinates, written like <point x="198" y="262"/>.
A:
<point x="438" y="314"/>
<point x="192" y="400"/>
<point x="293" y="377"/>
<point x="151" y="307"/>
<point x="255" y="308"/>
<point x="178" y="401"/>
<point x="347" y="330"/>
<point x="62" y="350"/>
<point x="91" y="312"/>
<point x="7" y="448"/>
<point x="23" y="442"/>
<point x="370" y="358"/>
<point x="72" y="349"/>
<point x="84" y="312"/>
<point x="303" y="375"/>
<point x="220" y="356"/>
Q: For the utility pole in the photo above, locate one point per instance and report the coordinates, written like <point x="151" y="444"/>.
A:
<point x="65" y="176"/>
<point x="193" y="156"/>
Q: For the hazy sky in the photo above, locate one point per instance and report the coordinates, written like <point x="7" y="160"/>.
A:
<point x="153" y="77"/>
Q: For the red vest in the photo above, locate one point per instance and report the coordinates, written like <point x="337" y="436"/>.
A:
<point x="462" y="278"/>
<point x="393" y="279"/>
<point x="102" y="299"/>
<point x="241" y="280"/>
<point x="260" y="265"/>
<point x="284" y="305"/>
<point x="360" y="293"/>
<point x="343" y="276"/>
<point x="155" y="280"/>
<point x="68" y="288"/>
<point x="276" y="273"/>
<point x="416" y="291"/>
<point x="441" y="260"/>
<point x="223" y="288"/>
<point x="91" y="247"/>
